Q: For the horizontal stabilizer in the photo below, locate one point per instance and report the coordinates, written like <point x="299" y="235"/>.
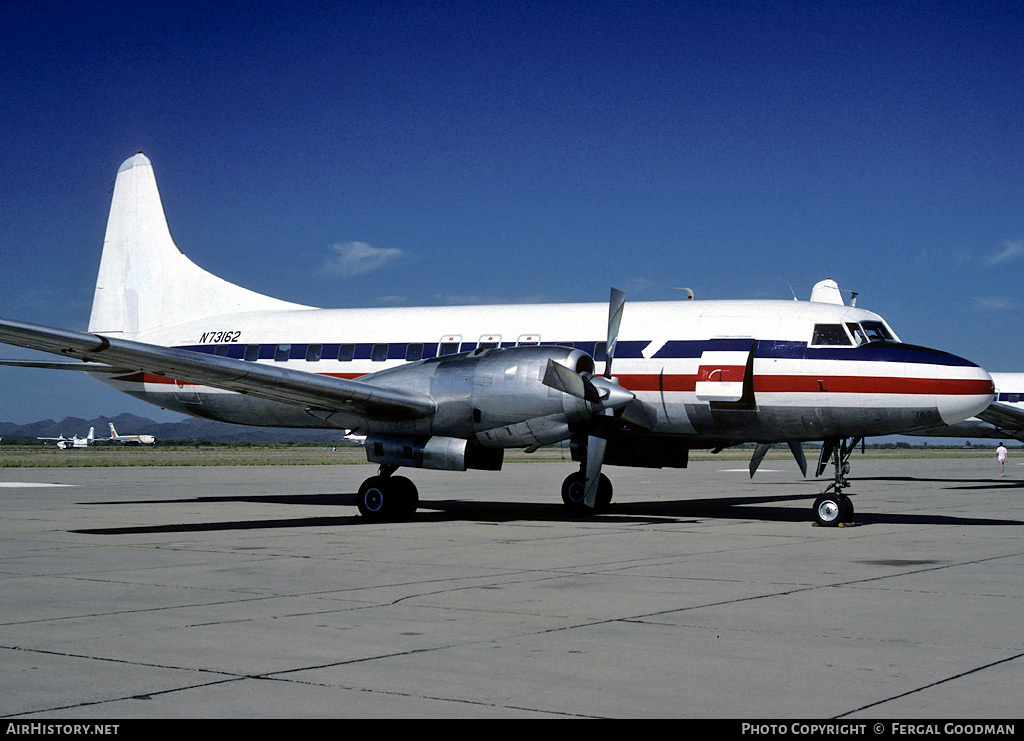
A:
<point x="267" y="382"/>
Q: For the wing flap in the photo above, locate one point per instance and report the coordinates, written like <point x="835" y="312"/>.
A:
<point x="256" y="379"/>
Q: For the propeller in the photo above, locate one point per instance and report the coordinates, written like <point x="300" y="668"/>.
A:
<point x="605" y="398"/>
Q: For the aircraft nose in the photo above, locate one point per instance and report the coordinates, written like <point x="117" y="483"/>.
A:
<point x="967" y="390"/>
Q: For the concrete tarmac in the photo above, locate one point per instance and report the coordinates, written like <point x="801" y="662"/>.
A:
<point x="245" y="592"/>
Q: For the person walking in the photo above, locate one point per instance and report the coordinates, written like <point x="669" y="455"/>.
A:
<point x="1001" y="455"/>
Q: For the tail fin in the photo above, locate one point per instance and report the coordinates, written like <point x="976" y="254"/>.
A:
<point x="145" y="283"/>
<point x="113" y="432"/>
<point x="92" y="436"/>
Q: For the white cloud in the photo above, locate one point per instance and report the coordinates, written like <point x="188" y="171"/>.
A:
<point x="359" y="258"/>
<point x="995" y="303"/>
<point x="1010" y="251"/>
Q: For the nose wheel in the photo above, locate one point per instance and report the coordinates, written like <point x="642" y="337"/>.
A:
<point x="833" y="510"/>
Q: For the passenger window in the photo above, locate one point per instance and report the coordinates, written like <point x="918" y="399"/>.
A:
<point x="414" y="351"/>
<point x="379" y="353"/>
<point x="448" y="348"/>
<point x="830" y="334"/>
<point x="601" y="352"/>
<point x="222" y="351"/>
<point x="313" y="353"/>
<point x="346" y="353"/>
<point x="282" y="353"/>
<point x="252" y="352"/>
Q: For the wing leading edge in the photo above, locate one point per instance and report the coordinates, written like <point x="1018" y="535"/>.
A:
<point x="267" y="382"/>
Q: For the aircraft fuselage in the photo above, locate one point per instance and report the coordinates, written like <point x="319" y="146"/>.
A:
<point x="711" y="371"/>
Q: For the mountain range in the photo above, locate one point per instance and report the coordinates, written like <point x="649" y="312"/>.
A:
<point x="188" y="429"/>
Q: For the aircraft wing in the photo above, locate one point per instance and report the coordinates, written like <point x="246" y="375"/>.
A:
<point x="278" y="384"/>
<point x="68" y="365"/>
<point x="1006" y="418"/>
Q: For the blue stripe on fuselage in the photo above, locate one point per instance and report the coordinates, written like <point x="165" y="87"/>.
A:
<point x="880" y="352"/>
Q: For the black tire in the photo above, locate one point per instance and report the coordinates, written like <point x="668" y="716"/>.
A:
<point x="374" y="498"/>
<point x="847" y="509"/>
<point x="829" y="510"/>
<point x="573" y="489"/>
<point x="406" y="496"/>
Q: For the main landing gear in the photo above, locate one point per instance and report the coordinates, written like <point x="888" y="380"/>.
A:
<point x="574" y="490"/>
<point x="387" y="497"/>
<point x="833" y="508"/>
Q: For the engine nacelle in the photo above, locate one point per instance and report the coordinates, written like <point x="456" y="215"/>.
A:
<point x="502" y="394"/>
<point x="440" y="453"/>
<point x="495" y="397"/>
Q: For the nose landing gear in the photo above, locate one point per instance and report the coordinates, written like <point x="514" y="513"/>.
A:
<point x="833" y="508"/>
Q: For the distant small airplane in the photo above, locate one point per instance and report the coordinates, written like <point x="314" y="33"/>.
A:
<point x="68" y="443"/>
<point x="130" y="439"/>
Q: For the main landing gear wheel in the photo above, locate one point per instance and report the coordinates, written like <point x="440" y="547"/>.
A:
<point x="387" y="497"/>
<point x="574" y="489"/>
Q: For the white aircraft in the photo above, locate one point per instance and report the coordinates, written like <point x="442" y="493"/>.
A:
<point x="452" y="387"/>
<point x="69" y="443"/>
<point x="1003" y="418"/>
<point x="130" y="439"/>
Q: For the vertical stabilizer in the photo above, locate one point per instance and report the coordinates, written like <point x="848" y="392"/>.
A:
<point x="145" y="283"/>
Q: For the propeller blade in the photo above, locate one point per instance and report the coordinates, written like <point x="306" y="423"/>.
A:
<point x="801" y="460"/>
<point x="558" y="377"/>
<point x="759" y="453"/>
<point x="615" y="305"/>
<point x="595" y="459"/>
<point x="639" y="414"/>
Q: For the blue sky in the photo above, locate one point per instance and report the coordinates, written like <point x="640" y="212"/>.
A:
<point x="428" y="153"/>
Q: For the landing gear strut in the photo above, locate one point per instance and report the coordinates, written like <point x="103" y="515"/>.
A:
<point x="833" y="508"/>
<point x="387" y="497"/>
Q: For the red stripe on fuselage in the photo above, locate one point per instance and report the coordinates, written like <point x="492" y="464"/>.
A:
<point x="762" y="384"/>
<point x="766" y="384"/>
<point x="721" y="373"/>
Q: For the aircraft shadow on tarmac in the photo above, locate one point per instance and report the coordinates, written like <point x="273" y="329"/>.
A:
<point x="679" y="511"/>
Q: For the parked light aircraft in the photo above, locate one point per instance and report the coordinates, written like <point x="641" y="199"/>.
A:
<point x="452" y="387"/>
<point x="1003" y="418"/>
<point x="69" y="443"/>
<point x="130" y="439"/>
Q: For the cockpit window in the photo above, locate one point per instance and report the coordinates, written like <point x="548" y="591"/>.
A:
<point x="876" y="331"/>
<point x="859" y="335"/>
<point x="830" y="334"/>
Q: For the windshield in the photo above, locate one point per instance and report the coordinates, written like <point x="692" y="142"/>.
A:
<point x="861" y="332"/>
<point x="876" y="331"/>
